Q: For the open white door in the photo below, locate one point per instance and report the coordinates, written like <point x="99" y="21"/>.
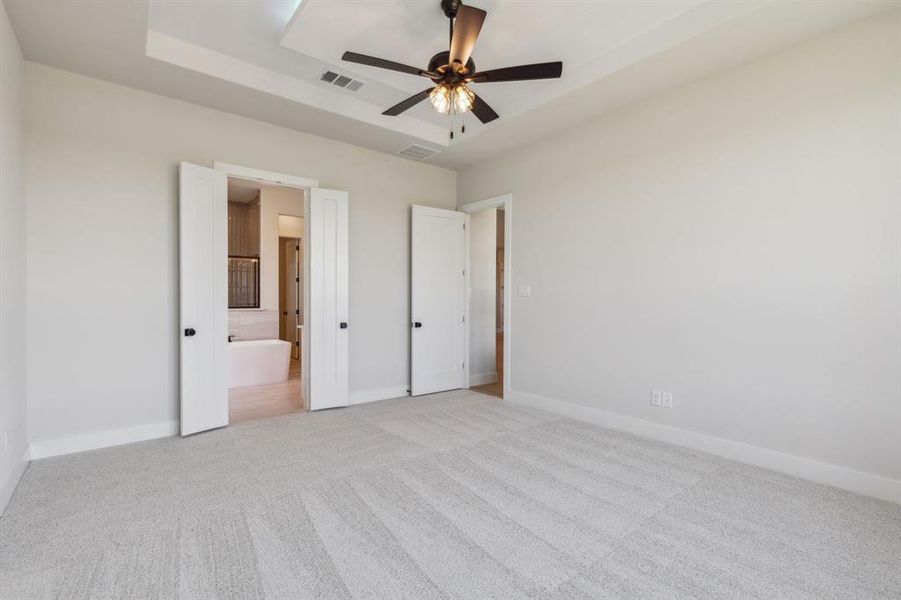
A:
<point x="326" y="324"/>
<point x="438" y="302"/>
<point x="203" y="248"/>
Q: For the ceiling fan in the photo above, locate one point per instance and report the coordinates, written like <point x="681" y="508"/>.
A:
<point x="453" y="70"/>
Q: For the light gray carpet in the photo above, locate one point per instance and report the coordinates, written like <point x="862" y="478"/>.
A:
<point x="453" y="496"/>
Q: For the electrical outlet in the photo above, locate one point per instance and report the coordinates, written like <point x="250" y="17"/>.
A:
<point x="524" y="291"/>
<point x="661" y="399"/>
<point x="666" y="400"/>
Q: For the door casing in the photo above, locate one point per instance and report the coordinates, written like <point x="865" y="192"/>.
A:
<point x="505" y="202"/>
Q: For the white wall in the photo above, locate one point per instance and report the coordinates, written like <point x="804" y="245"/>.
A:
<point x="482" y="302"/>
<point x="735" y="242"/>
<point x="290" y="227"/>
<point x="13" y="416"/>
<point x="274" y="201"/>
<point x="102" y="292"/>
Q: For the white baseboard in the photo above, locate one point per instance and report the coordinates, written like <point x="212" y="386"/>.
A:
<point x="140" y="433"/>
<point x="9" y="486"/>
<point x="483" y="378"/>
<point x="374" y="395"/>
<point x="102" y="439"/>
<point x="844" y="478"/>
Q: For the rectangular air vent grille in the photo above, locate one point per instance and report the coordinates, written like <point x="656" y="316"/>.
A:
<point x="417" y="152"/>
<point x="342" y="81"/>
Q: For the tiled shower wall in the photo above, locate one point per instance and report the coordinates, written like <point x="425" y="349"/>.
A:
<point x="253" y="324"/>
<point x="244" y="228"/>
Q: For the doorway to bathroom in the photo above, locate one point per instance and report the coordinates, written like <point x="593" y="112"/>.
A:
<point x="265" y="299"/>
<point x="217" y="353"/>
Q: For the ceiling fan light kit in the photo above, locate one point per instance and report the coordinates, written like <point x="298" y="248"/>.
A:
<point x="453" y="70"/>
<point x="446" y="98"/>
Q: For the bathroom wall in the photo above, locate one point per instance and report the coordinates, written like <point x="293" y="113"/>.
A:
<point x="253" y="324"/>
<point x="290" y="227"/>
<point x="274" y="202"/>
<point x="277" y="212"/>
<point x="244" y="228"/>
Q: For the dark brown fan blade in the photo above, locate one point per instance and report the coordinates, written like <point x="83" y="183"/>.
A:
<point x="408" y="103"/>
<point x="466" y="30"/>
<point x="549" y="70"/>
<point x="482" y="111"/>
<point x="381" y="63"/>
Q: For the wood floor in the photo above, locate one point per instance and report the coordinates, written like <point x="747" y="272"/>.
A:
<point x="261" y="401"/>
<point x="495" y="389"/>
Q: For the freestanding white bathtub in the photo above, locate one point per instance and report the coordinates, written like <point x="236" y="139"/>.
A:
<point x="257" y="362"/>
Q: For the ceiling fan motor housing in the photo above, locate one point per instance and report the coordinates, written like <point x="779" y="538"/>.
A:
<point x="439" y="64"/>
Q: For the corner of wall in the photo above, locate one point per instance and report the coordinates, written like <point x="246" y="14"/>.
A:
<point x="13" y="373"/>
<point x="8" y="486"/>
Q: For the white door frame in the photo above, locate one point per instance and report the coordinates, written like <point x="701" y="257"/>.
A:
<point x="270" y="177"/>
<point x="301" y="183"/>
<point x="505" y="202"/>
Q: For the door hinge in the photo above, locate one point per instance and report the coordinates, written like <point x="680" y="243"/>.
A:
<point x="297" y="312"/>
<point x="297" y="247"/>
<point x="464" y="272"/>
<point x="297" y="280"/>
<point x="463" y="318"/>
<point x="295" y="343"/>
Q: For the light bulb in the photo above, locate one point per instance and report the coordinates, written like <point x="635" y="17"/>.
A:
<point x="463" y="99"/>
<point x="440" y="97"/>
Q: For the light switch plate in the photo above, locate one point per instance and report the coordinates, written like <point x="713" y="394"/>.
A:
<point x="524" y="291"/>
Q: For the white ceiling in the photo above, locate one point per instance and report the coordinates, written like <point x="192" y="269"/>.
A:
<point x="243" y="190"/>
<point x="576" y="32"/>
<point x="263" y="59"/>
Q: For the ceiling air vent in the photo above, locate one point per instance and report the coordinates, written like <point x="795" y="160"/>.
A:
<point x="342" y="81"/>
<point x="417" y="152"/>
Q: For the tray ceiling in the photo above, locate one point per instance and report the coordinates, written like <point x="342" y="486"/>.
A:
<point x="265" y="59"/>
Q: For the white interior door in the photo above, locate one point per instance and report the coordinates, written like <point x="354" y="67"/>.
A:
<point x="203" y="248"/>
<point x="438" y="303"/>
<point x="326" y="326"/>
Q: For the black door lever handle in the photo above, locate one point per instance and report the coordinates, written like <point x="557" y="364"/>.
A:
<point x="417" y="324"/>
<point x="343" y="325"/>
<point x="189" y="332"/>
